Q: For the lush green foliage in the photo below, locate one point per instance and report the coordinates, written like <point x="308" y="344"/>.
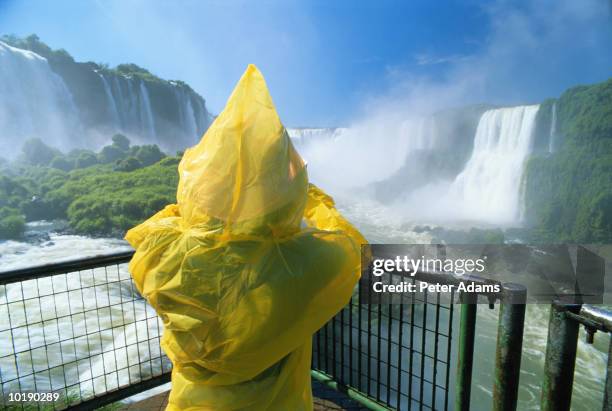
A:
<point x="569" y="192"/>
<point x="12" y="223"/>
<point x="128" y="164"/>
<point x="122" y="142"/>
<point x="101" y="201"/>
<point x="95" y="199"/>
<point x="37" y="153"/>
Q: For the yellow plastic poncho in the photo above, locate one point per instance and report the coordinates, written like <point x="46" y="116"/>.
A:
<point x="248" y="264"/>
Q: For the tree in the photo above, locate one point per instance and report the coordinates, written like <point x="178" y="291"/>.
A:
<point x="128" y="164"/>
<point x="110" y="154"/>
<point x="131" y="68"/>
<point x="149" y="154"/>
<point x="121" y="142"/>
<point x="62" y="163"/>
<point x="86" y="159"/>
<point x="12" y="223"/>
<point x="37" y="153"/>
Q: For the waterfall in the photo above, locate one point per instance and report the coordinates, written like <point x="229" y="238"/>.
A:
<point x="146" y="115"/>
<point x="117" y="94"/>
<point x="34" y="102"/>
<point x="187" y="116"/>
<point x="426" y="134"/>
<point x="191" y="126"/>
<point x="112" y="105"/>
<point x="553" y="128"/>
<point x="203" y="118"/>
<point x="304" y="136"/>
<point x="132" y="102"/>
<point x="489" y="186"/>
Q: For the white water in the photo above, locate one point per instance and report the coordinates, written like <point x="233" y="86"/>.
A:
<point x="34" y="101"/>
<point x="488" y="188"/>
<point x="111" y="102"/>
<point x="485" y="192"/>
<point x="145" y="105"/>
<point x="306" y="136"/>
<point x="349" y="158"/>
<point x="186" y="112"/>
<point x="553" y="128"/>
<point x="86" y="304"/>
<point x="17" y="254"/>
<point x="426" y="137"/>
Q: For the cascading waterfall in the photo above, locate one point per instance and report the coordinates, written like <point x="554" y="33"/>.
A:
<point x="146" y="114"/>
<point x="118" y="97"/>
<point x="425" y="136"/>
<point x="132" y="100"/>
<point x="190" y="114"/>
<point x="188" y="119"/>
<point x="202" y="121"/>
<point x="553" y="128"/>
<point x="34" y="101"/>
<point x="111" y="102"/>
<point x="367" y="152"/>
<point x="488" y="189"/>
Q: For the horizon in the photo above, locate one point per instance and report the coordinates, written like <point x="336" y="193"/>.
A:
<point x="365" y="59"/>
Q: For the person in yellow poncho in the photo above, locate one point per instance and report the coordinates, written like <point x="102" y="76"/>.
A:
<point x="247" y="266"/>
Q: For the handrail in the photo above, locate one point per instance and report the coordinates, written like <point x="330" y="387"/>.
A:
<point x="61" y="267"/>
<point x="561" y="348"/>
<point x="79" y="264"/>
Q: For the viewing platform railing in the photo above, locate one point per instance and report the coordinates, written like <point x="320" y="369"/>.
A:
<point x="81" y="330"/>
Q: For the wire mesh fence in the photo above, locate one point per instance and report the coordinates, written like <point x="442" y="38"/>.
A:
<point x="399" y="355"/>
<point x="75" y="336"/>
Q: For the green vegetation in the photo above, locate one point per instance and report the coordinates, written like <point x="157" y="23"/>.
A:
<point x="33" y="43"/>
<point x="12" y="223"/>
<point x="98" y="193"/>
<point x="569" y="192"/>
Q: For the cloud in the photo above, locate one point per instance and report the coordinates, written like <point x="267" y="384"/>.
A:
<point x="426" y="59"/>
<point x="532" y="50"/>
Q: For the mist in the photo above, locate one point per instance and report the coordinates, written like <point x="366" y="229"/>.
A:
<point x="519" y="62"/>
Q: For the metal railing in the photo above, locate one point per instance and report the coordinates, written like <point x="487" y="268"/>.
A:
<point x="398" y="356"/>
<point x="80" y="329"/>
<point x="561" y="349"/>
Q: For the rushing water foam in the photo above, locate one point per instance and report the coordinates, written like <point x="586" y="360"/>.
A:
<point x="553" y="128"/>
<point x="34" y="101"/>
<point x="488" y="188"/>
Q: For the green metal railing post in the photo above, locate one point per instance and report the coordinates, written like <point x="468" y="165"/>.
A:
<point x="509" y="347"/>
<point x="560" y="358"/>
<point x="467" y="331"/>
<point x="607" y="403"/>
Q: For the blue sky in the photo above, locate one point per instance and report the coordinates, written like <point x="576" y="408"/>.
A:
<point x="329" y="62"/>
